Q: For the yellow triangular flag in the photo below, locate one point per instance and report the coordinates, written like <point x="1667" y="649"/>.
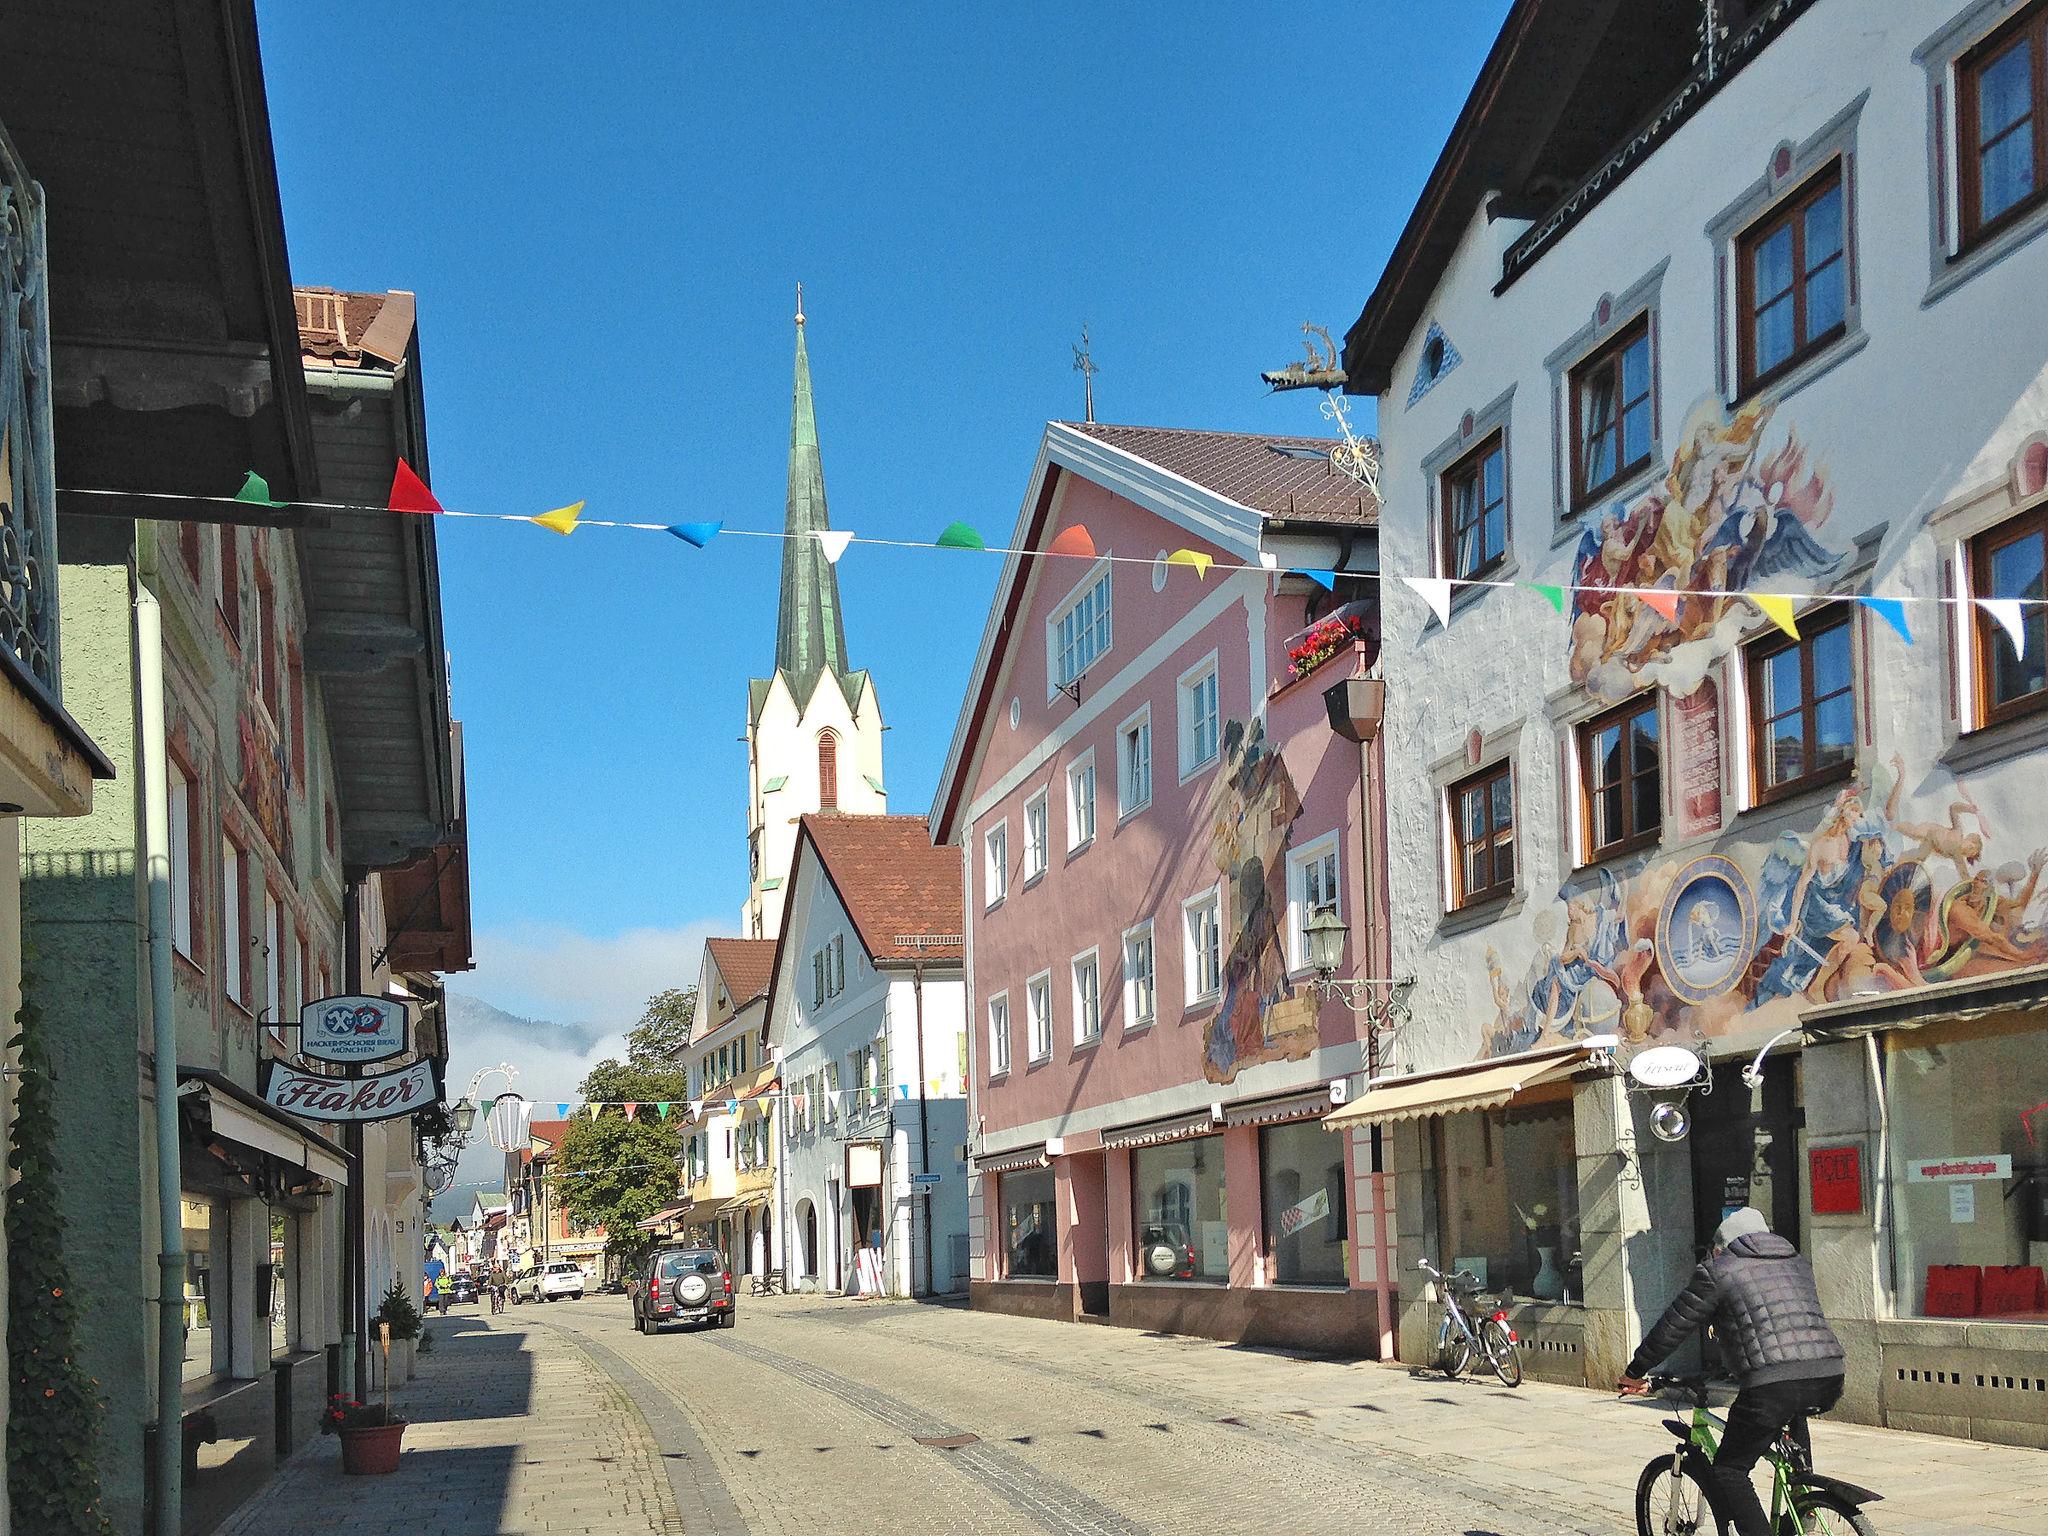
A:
<point x="562" y="519"/>
<point x="1195" y="558"/>
<point x="1777" y="609"/>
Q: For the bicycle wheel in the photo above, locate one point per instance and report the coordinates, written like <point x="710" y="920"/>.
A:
<point x="1502" y="1352"/>
<point x="1453" y="1350"/>
<point x="1822" y="1513"/>
<point x="1672" y="1503"/>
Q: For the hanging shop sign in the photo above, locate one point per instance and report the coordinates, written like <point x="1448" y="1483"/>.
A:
<point x="864" y="1165"/>
<point x="354" y="1031"/>
<point x="1836" y="1176"/>
<point x="1665" y="1066"/>
<point x="384" y="1097"/>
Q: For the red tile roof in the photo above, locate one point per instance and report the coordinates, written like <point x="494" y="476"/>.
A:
<point x="745" y="965"/>
<point x="1290" y="478"/>
<point x="549" y="1131"/>
<point x="893" y="882"/>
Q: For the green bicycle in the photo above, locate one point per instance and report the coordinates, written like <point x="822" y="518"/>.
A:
<point x="1671" y="1495"/>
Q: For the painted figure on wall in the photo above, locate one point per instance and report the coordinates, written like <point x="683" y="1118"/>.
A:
<point x="1726" y="518"/>
<point x="1877" y="897"/>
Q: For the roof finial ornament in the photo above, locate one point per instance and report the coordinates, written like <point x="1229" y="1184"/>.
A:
<point x="799" y="303"/>
<point x="1085" y="366"/>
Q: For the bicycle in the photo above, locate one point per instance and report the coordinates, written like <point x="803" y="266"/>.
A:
<point x="1459" y="1340"/>
<point x="1671" y="1494"/>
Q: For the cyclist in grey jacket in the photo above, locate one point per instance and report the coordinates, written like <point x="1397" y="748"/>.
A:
<point x="1758" y="1294"/>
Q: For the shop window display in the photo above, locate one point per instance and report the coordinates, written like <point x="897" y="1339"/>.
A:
<point x="1301" y="1185"/>
<point x="1969" y="1177"/>
<point x="1508" y="1198"/>
<point x="1178" y="1208"/>
<point x="1030" y="1243"/>
<point x="198" y="1219"/>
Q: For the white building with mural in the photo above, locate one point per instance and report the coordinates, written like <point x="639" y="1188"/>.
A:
<point x="1774" y="366"/>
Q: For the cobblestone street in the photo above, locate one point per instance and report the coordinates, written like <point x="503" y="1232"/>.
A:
<point x="821" y="1416"/>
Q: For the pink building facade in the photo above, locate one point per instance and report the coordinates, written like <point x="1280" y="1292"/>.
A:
<point x="1150" y="802"/>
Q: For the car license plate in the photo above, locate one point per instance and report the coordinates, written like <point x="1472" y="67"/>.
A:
<point x="695" y="1314"/>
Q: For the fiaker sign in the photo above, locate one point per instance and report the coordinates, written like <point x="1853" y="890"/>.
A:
<point x="384" y="1097"/>
<point x="353" y="1031"/>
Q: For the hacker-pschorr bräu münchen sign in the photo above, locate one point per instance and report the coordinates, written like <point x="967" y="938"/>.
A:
<point x="354" y="1031"/>
<point x="383" y="1097"/>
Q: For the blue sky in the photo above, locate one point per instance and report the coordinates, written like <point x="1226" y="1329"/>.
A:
<point x="604" y="225"/>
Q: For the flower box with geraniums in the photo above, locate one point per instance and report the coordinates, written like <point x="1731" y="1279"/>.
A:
<point x="1328" y="636"/>
<point x="370" y="1436"/>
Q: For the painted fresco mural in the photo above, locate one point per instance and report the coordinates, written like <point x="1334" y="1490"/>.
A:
<point x="1727" y="517"/>
<point x="1252" y="812"/>
<point x="1903" y="880"/>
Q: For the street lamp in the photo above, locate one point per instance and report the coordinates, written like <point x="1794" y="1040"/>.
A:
<point x="1327" y="935"/>
<point x="465" y="1119"/>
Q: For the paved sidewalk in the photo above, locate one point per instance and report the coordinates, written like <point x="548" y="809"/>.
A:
<point x="512" y="1431"/>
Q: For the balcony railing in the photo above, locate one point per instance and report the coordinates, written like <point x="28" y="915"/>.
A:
<point x="28" y="485"/>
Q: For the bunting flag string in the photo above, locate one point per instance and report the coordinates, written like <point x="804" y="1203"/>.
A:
<point x="960" y="536"/>
<point x="562" y="520"/>
<point x="1777" y="609"/>
<point x="1435" y="591"/>
<point x="2006" y="612"/>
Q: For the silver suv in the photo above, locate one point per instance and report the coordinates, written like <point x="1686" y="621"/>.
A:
<point x="683" y="1285"/>
<point x="549" y="1282"/>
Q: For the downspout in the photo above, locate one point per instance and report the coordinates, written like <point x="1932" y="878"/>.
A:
<point x="156" y="845"/>
<point x="924" y="1138"/>
<point x="1372" y="827"/>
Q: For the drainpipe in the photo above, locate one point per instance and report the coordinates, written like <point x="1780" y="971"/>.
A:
<point x="924" y="1135"/>
<point x="1372" y="823"/>
<point x="156" y="844"/>
<point x="355" y="1220"/>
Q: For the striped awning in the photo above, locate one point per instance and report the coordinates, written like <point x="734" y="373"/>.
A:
<point x="1479" y="1085"/>
<point x="1014" y="1161"/>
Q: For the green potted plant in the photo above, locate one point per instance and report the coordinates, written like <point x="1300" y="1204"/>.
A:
<point x="398" y="1311"/>
<point x="370" y="1436"/>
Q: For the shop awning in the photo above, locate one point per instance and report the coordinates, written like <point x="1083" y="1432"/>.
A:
<point x="237" y="1115"/>
<point x="1307" y="1104"/>
<point x="1973" y="997"/>
<point x="1481" y="1085"/>
<point x="1016" y="1160"/>
<point x="1150" y="1133"/>
<point x="659" y="1219"/>
<point x="744" y="1202"/>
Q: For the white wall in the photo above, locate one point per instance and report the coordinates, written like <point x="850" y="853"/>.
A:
<point x="784" y="744"/>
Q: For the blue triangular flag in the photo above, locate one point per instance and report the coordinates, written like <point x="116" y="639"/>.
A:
<point x="561" y="1111"/>
<point x="696" y="535"/>
<point x="1327" y="580"/>
<point x="1894" y="613"/>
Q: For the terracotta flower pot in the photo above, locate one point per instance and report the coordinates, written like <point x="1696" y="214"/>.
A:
<point x="371" y="1451"/>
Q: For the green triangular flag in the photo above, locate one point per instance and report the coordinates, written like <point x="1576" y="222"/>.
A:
<point x="960" y="536"/>
<point x="663" y="1107"/>
<point x="256" y="489"/>
<point x="1555" y="594"/>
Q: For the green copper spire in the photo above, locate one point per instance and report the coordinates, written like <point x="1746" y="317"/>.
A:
<point x="808" y="636"/>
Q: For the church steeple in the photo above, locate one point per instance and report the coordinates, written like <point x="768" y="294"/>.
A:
<point x="809" y="637"/>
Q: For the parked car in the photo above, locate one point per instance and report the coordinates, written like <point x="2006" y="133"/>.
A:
<point x="683" y="1285"/>
<point x="464" y="1286"/>
<point x="549" y="1282"/>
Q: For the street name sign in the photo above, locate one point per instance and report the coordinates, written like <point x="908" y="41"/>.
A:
<point x="925" y="1180"/>
<point x="353" y="1031"/>
<point x="384" y="1097"/>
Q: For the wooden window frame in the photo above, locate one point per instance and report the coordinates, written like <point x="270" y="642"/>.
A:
<point x="1789" y="211"/>
<point x="1471" y="466"/>
<point x="228" y="564"/>
<point x="192" y="951"/>
<point x="828" y="770"/>
<point x="237" y="979"/>
<point x="1608" y="358"/>
<point x="2030" y="24"/>
<point x="269" y="677"/>
<point x="1759" y="651"/>
<point x="2032" y="523"/>
<point x="1636" y="837"/>
<point x="1485" y="778"/>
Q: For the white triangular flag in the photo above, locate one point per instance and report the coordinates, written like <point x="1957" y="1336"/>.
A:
<point x="834" y="542"/>
<point x="1269" y="560"/>
<point x="1435" y="591"/>
<point x="2006" y="610"/>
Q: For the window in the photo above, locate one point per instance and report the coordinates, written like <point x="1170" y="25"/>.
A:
<point x="1501" y="1188"/>
<point x="1311" y="888"/>
<point x="188" y="548"/>
<point x="1087" y="998"/>
<point x="227" y="549"/>
<point x="1081" y="802"/>
<point x="1134" y="763"/>
<point x="1037" y="835"/>
<point x="1179" y="1210"/>
<point x="828" y="771"/>
<point x="1038" y="1015"/>
<point x="1792" y="279"/>
<point x="828" y="970"/>
<point x="273" y="956"/>
<point x="1199" y="736"/>
<point x="999" y="1034"/>
<point x="1483" y="836"/>
<point x="997" y="877"/>
<point x="1141" y="979"/>
<point x="2008" y="562"/>
<point x="1030" y="1245"/>
<point x="1612" y="414"/>
<point x="296" y="679"/>
<point x="1621" y="783"/>
<point x="817" y="978"/>
<point x="303" y="994"/>
<point x="184" y="817"/>
<point x="234" y="898"/>
<point x="1301" y="1188"/>
<point x="1204" y="948"/>
<point x="838" y="951"/>
<point x="265" y="648"/>
<point x="1802" y="706"/>
<point x="1960" y="1100"/>
<point x="1079" y="629"/>
<point x="2002" y="114"/>
<point x="1475" y="510"/>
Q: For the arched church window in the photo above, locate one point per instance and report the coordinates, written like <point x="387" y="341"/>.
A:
<point x="828" y="771"/>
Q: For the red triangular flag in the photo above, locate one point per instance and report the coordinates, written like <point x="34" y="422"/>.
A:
<point x="1073" y="541"/>
<point x="1664" y="602"/>
<point x="409" y="493"/>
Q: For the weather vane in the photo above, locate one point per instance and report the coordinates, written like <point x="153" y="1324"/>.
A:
<point x="1358" y="457"/>
<point x="1085" y="366"/>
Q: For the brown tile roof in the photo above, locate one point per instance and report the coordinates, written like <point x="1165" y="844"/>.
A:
<point x="893" y="882"/>
<point x="1281" y="477"/>
<point x="549" y="1131"/>
<point x="353" y="328"/>
<point x="745" y="965"/>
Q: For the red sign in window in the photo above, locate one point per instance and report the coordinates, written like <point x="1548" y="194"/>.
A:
<point x="1837" y="1176"/>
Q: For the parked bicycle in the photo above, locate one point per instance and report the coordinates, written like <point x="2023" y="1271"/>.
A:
<point x="1463" y="1337"/>
<point x="1671" y="1495"/>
